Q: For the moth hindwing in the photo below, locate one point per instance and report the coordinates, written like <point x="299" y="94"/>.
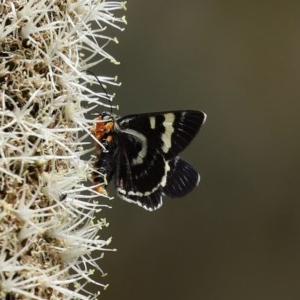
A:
<point x="141" y="154"/>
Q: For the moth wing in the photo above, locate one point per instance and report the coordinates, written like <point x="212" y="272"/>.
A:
<point x="148" y="146"/>
<point x="171" y="132"/>
<point x="182" y="178"/>
<point x="140" y="171"/>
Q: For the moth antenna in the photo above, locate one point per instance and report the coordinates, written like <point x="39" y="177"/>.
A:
<point x="100" y="83"/>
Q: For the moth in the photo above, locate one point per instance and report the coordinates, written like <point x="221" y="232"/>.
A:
<point x="140" y="152"/>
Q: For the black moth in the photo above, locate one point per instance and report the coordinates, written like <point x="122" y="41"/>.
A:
<point x="141" y="153"/>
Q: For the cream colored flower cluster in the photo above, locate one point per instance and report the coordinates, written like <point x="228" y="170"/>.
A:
<point x="48" y="233"/>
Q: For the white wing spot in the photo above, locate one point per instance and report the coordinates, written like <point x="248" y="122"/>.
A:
<point x="152" y="122"/>
<point x="169" y="129"/>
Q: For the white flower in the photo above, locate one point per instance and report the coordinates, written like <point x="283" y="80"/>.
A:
<point x="48" y="233"/>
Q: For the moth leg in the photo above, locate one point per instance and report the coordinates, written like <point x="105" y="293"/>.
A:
<point x="103" y="171"/>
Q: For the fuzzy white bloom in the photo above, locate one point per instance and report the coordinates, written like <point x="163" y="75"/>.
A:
<point x="48" y="233"/>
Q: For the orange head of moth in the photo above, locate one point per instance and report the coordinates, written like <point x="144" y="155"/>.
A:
<point x="102" y="130"/>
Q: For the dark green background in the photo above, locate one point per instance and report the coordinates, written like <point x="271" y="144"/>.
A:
<point x="236" y="237"/>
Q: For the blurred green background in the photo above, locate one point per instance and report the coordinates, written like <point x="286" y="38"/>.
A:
<point x="236" y="237"/>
